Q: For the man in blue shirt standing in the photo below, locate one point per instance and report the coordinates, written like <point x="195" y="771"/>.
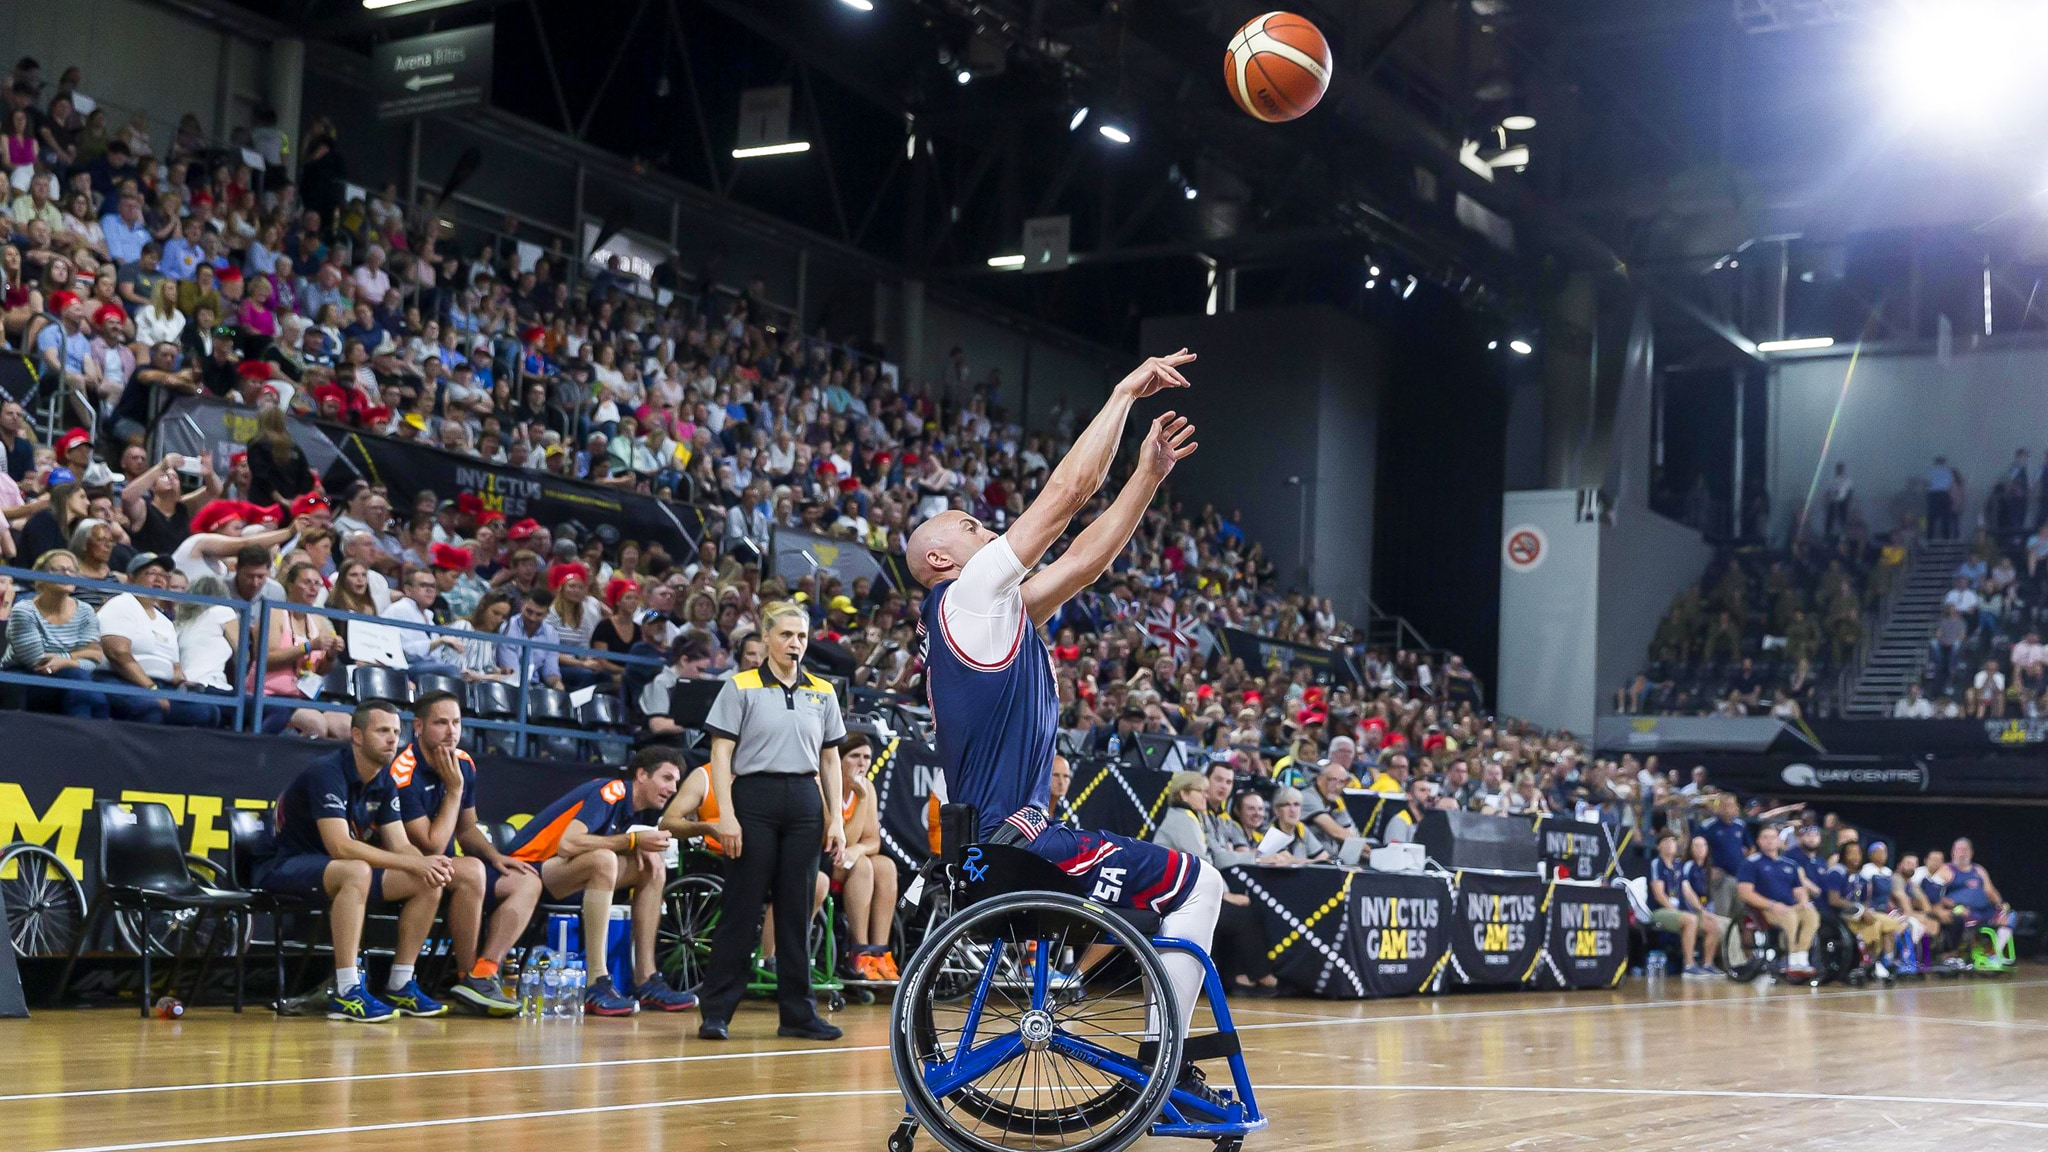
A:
<point x="340" y="837"/>
<point x="1777" y="888"/>
<point x="1728" y="844"/>
<point x="1941" y="504"/>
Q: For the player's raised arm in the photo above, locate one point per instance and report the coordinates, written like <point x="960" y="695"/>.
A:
<point x="1080" y="473"/>
<point x="1170" y="440"/>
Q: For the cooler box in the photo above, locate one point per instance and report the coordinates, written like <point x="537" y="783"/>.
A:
<point x="565" y="938"/>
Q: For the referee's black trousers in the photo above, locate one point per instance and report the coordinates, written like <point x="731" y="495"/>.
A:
<point x="782" y="830"/>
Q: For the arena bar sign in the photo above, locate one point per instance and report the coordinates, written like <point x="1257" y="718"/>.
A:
<point x="1991" y="775"/>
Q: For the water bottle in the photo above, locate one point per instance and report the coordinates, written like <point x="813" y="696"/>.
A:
<point x="529" y="992"/>
<point x="1656" y="963"/>
<point x="579" y="982"/>
<point x="1116" y="745"/>
<point x="551" y="991"/>
<point x="510" y="978"/>
<point x="169" y="1008"/>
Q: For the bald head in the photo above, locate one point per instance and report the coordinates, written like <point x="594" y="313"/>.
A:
<point x="941" y="546"/>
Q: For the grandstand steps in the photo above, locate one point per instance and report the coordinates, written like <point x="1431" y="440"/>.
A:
<point x="1896" y="657"/>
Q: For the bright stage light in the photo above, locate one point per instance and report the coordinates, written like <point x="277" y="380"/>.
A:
<point x="860" y="5"/>
<point x="1080" y="115"/>
<point x="1805" y="344"/>
<point x="1518" y="123"/>
<point x="789" y="149"/>
<point x="1961" y="64"/>
<point x="1521" y="347"/>
<point x="1114" y="133"/>
<point x="1006" y="261"/>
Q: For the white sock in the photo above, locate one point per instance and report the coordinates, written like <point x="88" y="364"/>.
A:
<point x="401" y="975"/>
<point x="1194" y="920"/>
<point x="2000" y="938"/>
<point x="346" y="980"/>
<point x="1799" y="959"/>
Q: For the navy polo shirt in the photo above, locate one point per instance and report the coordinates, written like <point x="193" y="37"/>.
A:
<point x="1671" y="876"/>
<point x="1774" y="879"/>
<point x="421" y="786"/>
<point x="1728" y="842"/>
<point x="329" y="789"/>
<point x="1813" y="866"/>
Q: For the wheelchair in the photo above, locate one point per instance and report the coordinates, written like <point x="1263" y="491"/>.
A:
<point x="690" y="907"/>
<point x="1754" y="947"/>
<point x="1003" y="1030"/>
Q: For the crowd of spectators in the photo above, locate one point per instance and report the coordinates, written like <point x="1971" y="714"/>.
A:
<point x="1985" y="659"/>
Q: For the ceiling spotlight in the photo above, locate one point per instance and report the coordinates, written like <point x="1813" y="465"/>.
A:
<point x="1371" y="284"/>
<point x="1014" y="261"/>
<point x="1373" y="271"/>
<point x="1408" y="289"/>
<point x="860" y="5"/>
<point x="1080" y="116"/>
<point x="1807" y="344"/>
<point x="1114" y="133"/>
<point x="963" y="76"/>
<point x="1492" y="344"/>
<point x="1517" y="123"/>
<point x="1521" y="347"/>
<point x="1189" y="192"/>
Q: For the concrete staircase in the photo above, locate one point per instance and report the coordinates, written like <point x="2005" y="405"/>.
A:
<point x="1897" y="653"/>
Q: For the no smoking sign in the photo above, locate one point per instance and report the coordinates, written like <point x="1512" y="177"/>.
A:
<point x="1524" y="547"/>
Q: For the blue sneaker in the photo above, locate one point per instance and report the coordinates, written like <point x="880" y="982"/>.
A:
<point x="410" y="1001"/>
<point x="601" y="999"/>
<point x="359" y="1006"/>
<point x="658" y="996"/>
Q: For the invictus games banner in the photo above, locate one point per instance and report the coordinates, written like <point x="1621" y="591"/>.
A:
<point x="1497" y="928"/>
<point x="1265" y="652"/>
<point x="796" y="554"/>
<point x="196" y="424"/>
<point x="903" y="773"/>
<point x="1588" y="937"/>
<point x="1400" y="931"/>
<point x="1582" y="849"/>
<point x="1118" y="797"/>
<point x="519" y="494"/>
<point x="1308" y="926"/>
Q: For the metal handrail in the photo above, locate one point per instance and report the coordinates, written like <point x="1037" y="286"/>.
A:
<point x="247" y="692"/>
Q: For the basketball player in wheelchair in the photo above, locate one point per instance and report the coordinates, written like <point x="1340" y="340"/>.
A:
<point x="1094" y="1061"/>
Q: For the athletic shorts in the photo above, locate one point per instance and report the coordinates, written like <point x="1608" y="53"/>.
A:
<point x="1666" y="919"/>
<point x="306" y="876"/>
<point x="1113" y="869"/>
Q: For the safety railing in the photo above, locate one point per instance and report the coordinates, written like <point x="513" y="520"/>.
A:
<point x="250" y="701"/>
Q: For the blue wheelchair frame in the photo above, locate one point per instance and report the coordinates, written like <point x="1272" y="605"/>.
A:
<point x="1183" y="1114"/>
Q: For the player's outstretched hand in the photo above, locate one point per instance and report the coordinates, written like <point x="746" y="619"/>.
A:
<point x="1156" y="374"/>
<point x="1169" y="441"/>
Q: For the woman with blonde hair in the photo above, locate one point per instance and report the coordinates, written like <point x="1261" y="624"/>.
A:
<point x="775" y="737"/>
<point x="301" y="646"/>
<point x="159" y="321"/>
<point x="53" y="633"/>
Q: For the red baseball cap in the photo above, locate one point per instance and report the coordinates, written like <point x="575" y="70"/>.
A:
<point x="522" y="529"/>
<point x="218" y="513"/>
<point x="109" y="312"/>
<point x="70" y="440"/>
<point x="449" y="556"/>
<point x="311" y="504"/>
<point x="561" y="573"/>
<point x="59" y="301"/>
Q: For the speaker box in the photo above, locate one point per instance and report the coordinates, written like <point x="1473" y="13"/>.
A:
<point x="1471" y="840"/>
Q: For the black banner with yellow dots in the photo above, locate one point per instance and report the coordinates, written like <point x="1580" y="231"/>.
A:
<point x="1588" y="930"/>
<point x="1497" y="928"/>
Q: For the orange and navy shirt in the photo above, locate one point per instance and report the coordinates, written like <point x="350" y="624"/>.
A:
<point x="604" y="805"/>
<point x="421" y="786"/>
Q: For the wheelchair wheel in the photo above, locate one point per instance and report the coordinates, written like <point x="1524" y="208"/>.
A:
<point x="45" y="902"/>
<point x="1834" y="952"/>
<point x="1748" y="949"/>
<point x="689" y="912"/>
<point x="1074" y="1073"/>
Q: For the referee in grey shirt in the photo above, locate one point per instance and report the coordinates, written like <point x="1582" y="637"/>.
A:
<point x="775" y="734"/>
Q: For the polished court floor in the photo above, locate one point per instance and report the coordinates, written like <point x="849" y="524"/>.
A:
<point x="1708" y="1065"/>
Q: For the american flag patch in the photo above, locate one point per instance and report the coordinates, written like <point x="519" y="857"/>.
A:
<point x="1028" y="822"/>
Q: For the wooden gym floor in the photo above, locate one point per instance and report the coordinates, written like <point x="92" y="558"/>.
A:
<point x="1703" y="1065"/>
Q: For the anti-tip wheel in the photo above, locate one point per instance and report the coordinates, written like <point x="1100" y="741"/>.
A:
<point x="903" y="1137"/>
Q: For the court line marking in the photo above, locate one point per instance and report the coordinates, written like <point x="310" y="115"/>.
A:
<point x="1895" y="1018"/>
<point x="2014" y="1123"/>
<point x="659" y="1105"/>
<point x="435" y="1072"/>
<point x="1305" y="1022"/>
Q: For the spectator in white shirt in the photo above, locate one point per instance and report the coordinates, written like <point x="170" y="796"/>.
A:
<point x="372" y="282"/>
<point x="424" y="652"/>
<point x="1962" y="597"/>
<point x="2030" y="663"/>
<point x="141" y="644"/>
<point x="1987" y="693"/>
<point x="1915" y="706"/>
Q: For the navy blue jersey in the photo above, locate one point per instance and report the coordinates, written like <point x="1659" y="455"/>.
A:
<point x="1672" y="876"/>
<point x="421" y="786"/>
<point x="1728" y="842"/>
<point x="1966" y="888"/>
<point x="1813" y="866"/>
<point x="330" y="789"/>
<point x="605" y="806"/>
<point x="994" y="703"/>
<point x="1695" y="875"/>
<point x="1775" y="878"/>
<point x="1871" y="888"/>
<point x="1834" y="881"/>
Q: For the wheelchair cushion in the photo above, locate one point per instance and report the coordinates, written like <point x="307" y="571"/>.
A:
<point x="991" y="870"/>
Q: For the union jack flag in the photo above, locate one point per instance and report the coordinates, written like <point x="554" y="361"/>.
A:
<point x="1173" y="630"/>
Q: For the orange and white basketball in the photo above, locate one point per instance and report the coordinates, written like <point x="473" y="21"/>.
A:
<point x="1277" y="66"/>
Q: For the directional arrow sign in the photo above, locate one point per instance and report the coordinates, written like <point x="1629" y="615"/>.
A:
<point x="433" y="73"/>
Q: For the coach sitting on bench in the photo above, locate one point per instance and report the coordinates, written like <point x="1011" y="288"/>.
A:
<point x="325" y="823"/>
<point x="585" y="842"/>
<point x="437" y="781"/>
<point x="1776" y="887"/>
